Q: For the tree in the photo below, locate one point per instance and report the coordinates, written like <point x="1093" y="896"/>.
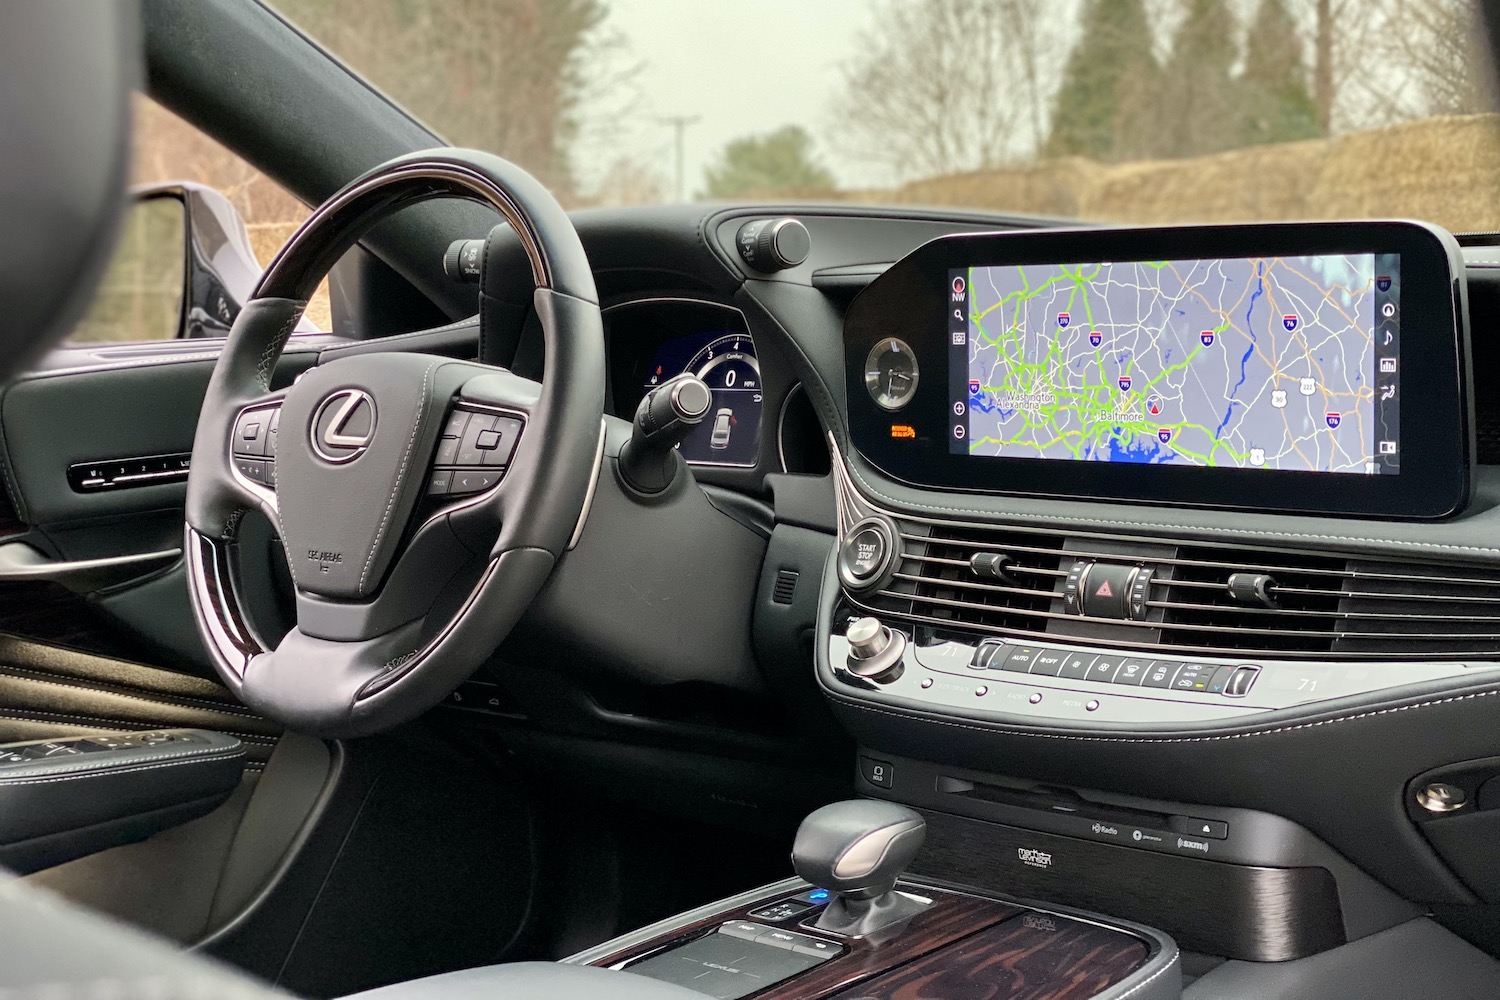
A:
<point x="1197" y="99"/>
<point x="778" y="163"/>
<point x="511" y="76"/>
<point x="1278" y="105"/>
<point x="1104" y="107"/>
<point x="946" y="86"/>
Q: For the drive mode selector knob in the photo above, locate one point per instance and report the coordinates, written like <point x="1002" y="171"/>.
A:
<point x="867" y="554"/>
<point x="874" y="651"/>
<point x="770" y="245"/>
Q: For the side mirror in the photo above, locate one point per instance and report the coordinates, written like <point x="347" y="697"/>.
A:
<point x="183" y="268"/>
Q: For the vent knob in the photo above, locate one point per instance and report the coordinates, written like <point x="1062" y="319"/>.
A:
<point x="1252" y="588"/>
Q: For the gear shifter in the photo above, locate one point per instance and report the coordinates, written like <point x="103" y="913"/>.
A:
<point x="857" y="850"/>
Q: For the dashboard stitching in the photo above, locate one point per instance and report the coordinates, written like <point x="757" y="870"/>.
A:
<point x="400" y="475"/>
<point x="1170" y="739"/>
<point x="147" y="764"/>
<point x="1227" y="532"/>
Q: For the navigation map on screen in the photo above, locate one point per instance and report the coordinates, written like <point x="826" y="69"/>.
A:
<point x="1281" y="363"/>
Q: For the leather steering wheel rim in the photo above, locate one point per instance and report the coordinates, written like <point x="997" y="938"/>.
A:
<point x="397" y="602"/>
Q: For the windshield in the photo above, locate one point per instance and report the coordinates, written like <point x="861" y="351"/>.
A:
<point x="1118" y="110"/>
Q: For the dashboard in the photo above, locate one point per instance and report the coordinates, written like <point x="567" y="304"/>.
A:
<point x="1232" y="636"/>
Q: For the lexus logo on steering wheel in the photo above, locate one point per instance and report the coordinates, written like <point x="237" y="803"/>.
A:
<point x="343" y="425"/>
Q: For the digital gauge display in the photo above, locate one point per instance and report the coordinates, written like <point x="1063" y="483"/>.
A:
<point x="725" y="360"/>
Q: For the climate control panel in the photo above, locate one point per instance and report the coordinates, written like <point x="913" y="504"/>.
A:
<point x="1043" y="680"/>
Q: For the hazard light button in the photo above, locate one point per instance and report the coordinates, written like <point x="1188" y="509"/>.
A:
<point x="1105" y="590"/>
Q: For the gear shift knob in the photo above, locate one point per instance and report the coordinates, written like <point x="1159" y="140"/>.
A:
<point x="857" y="848"/>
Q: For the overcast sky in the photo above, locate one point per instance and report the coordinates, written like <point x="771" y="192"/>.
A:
<point x="744" y="66"/>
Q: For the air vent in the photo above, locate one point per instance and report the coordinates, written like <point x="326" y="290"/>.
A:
<point x="785" y="586"/>
<point x="1281" y="602"/>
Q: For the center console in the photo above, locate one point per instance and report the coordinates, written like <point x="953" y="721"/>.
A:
<point x="1160" y="587"/>
<point x="862" y="930"/>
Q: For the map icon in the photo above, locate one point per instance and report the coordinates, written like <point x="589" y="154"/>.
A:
<point x="1308" y="386"/>
<point x="1278" y="398"/>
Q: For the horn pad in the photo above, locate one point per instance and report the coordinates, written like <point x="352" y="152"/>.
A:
<point x="355" y="440"/>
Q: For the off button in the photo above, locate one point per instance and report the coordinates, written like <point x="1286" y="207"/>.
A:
<point x="866" y="554"/>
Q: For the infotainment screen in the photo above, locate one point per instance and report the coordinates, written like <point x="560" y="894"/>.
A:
<point x="1285" y="363"/>
<point x="1315" y="367"/>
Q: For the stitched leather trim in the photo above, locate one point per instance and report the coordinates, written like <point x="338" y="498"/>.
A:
<point x="79" y="771"/>
<point x="923" y="717"/>
<point x="401" y="470"/>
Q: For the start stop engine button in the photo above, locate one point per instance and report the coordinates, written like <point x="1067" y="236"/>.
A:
<point x="866" y="554"/>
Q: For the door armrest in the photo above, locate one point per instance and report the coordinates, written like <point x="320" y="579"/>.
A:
<point x="62" y="799"/>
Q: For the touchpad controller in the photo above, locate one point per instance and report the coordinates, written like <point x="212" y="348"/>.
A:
<point x="739" y="958"/>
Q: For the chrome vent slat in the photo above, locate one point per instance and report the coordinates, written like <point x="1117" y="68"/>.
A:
<point x="1327" y="605"/>
<point x="1329" y="633"/>
<point x="1201" y="650"/>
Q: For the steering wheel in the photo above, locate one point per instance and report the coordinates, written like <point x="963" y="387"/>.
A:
<point x="422" y="500"/>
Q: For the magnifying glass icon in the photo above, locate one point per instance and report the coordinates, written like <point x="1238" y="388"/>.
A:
<point x="958" y="314"/>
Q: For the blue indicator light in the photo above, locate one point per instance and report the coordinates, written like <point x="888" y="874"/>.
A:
<point x="817" y="895"/>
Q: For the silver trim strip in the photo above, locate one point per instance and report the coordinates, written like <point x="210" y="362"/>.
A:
<point x="588" y="499"/>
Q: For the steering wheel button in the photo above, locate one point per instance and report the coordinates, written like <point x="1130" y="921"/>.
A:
<point x="455" y="426"/>
<point x="473" y="480"/>
<point x="441" y="484"/>
<point x="487" y="440"/>
<point x="250" y="434"/>
<point x="508" y="432"/>
<point x="447" y="451"/>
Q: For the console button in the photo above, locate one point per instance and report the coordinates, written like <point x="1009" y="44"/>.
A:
<point x="785" y="940"/>
<point x="1103" y="668"/>
<point x="1132" y="669"/>
<point x="1018" y="662"/>
<point x="1160" y="674"/>
<point x="1075" y="666"/>
<point x="1240" y="681"/>
<point x="743" y="929"/>
<point x="818" y="947"/>
<point x="865" y="553"/>
<point x="1105" y="590"/>
<point x="784" y="910"/>
<point x="1194" y="827"/>
<point x="1218" y="679"/>
<point x="876" y="772"/>
<point x="982" y="655"/>
<point x="1048" y="662"/>
<point x="1193" y="677"/>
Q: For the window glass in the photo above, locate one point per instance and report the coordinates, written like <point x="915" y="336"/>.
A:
<point x="1118" y="110"/>
<point x="141" y="298"/>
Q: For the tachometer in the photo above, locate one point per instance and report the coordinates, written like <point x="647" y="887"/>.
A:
<point x="728" y="363"/>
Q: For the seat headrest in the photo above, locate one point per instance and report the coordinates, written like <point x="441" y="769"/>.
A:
<point x="66" y="75"/>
